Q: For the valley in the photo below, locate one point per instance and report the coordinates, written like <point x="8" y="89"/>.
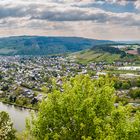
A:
<point x="28" y="80"/>
<point x="70" y="70"/>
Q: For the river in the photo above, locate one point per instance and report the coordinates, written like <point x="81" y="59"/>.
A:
<point x="18" y="115"/>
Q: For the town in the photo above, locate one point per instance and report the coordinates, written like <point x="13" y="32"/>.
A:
<point x="26" y="80"/>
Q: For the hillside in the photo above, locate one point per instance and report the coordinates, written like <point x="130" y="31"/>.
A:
<point x="103" y="53"/>
<point x="41" y="45"/>
<point x="89" y="56"/>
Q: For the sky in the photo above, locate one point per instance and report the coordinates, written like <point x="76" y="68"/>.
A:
<point x="98" y="19"/>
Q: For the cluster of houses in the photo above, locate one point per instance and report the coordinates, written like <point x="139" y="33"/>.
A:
<point x="30" y="74"/>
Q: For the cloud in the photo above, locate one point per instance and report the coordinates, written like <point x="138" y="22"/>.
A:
<point x="66" y="17"/>
<point x="61" y="13"/>
<point x="120" y="2"/>
<point x="137" y="4"/>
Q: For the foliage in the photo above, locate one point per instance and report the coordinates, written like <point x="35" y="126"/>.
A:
<point x="138" y="82"/>
<point x="6" y="127"/>
<point x="117" y="84"/>
<point x="123" y="100"/>
<point x="84" y="110"/>
<point x="22" y="101"/>
<point x="125" y="85"/>
<point x="109" y="48"/>
<point x="122" y="84"/>
<point x="134" y="93"/>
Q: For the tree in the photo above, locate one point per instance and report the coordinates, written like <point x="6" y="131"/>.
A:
<point x="6" y="127"/>
<point x="138" y="83"/>
<point x="22" y="101"/>
<point x="134" y="93"/>
<point x="118" y="84"/>
<point x="84" y="110"/>
<point x="126" y="85"/>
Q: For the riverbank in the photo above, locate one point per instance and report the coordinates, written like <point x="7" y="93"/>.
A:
<point x="17" y="115"/>
<point x="17" y="105"/>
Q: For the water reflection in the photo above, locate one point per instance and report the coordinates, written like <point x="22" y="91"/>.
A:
<point x="18" y="115"/>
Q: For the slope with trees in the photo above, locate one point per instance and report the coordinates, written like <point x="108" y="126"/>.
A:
<point x="41" y="45"/>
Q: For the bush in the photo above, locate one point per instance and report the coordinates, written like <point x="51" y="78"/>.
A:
<point x="6" y="127"/>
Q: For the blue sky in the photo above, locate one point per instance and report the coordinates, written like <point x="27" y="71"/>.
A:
<point x="99" y="19"/>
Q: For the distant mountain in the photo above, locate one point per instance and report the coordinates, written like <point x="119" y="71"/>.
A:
<point x="130" y="42"/>
<point x="41" y="45"/>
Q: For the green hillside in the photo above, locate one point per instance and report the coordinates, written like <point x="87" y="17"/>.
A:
<point x="105" y="53"/>
<point x="41" y="45"/>
<point x="89" y="56"/>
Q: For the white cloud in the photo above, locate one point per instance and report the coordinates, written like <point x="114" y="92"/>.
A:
<point x="137" y="4"/>
<point x="66" y="17"/>
<point x="121" y="2"/>
<point x="61" y="12"/>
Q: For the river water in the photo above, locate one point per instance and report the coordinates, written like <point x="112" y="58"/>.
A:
<point x="18" y="115"/>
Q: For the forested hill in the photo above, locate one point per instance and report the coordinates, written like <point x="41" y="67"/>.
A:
<point x="41" y="45"/>
<point x="109" y="48"/>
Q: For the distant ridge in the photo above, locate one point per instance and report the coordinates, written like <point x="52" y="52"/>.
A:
<point x="43" y="45"/>
<point x="130" y="42"/>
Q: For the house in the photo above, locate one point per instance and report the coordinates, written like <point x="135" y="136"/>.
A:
<point x="59" y="82"/>
<point x="101" y="73"/>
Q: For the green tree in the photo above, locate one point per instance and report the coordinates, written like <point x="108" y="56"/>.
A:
<point x="126" y="85"/>
<point x="22" y="101"/>
<point x="84" y="110"/>
<point x="6" y="127"/>
<point x="134" y="93"/>
<point x="44" y="89"/>
<point x="118" y="84"/>
<point x="138" y="83"/>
